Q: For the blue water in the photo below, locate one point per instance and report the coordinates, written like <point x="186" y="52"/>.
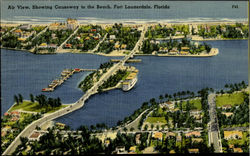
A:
<point x="26" y="73"/>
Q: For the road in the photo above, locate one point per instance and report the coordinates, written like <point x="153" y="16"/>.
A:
<point x="214" y="132"/>
<point x="60" y="47"/>
<point x="97" y="46"/>
<point x="78" y="104"/>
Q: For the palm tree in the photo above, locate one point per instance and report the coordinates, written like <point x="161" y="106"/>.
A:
<point x="161" y="98"/>
<point x="20" y="98"/>
<point x="152" y="126"/>
<point x="32" y="98"/>
<point x="16" y="99"/>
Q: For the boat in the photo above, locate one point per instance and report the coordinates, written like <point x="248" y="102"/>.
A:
<point x="130" y="81"/>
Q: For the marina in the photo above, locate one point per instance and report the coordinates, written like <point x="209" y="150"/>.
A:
<point x="65" y="74"/>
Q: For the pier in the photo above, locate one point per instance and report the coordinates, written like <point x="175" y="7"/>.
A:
<point x="65" y="74"/>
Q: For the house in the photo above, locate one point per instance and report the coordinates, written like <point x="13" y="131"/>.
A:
<point x="15" y="113"/>
<point x="6" y="114"/>
<point x="137" y="139"/>
<point x="172" y="151"/>
<point x="120" y="150"/>
<point x="193" y="150"/>
<point x="35" y="136"/>
<point x="195" y="112"/>
<point x="170" y="134"/>
<point x="185" y="48"/>
<point x="231" y="146"/>
<point x="227" y="113"/>
<point x="57" y="26"/>
<point x="226" y="107"/>
<point x="25" y="27"/>
<point x="178" y="32"/>
<point x="87" y="38"/>
<point x="163" y="49"/>
<point x="193" y="133"/>
<point x="106" y="143"/>
<point x="232" y="135"/>
<point x="14" y="118"/>
<point x="178" y="138"/>
<point x="168" y="104"/>
<point x="43" y="45"/>
<point x="197" y="140"/>
<point x="157" y="135"/>
<point x="18" y="32"/>
<point x="152" y="41"/>
<point x="173" y="52"/>
<point x="91" y="34"/>
<point x="72" y="23"/>
<point x="132" y="149"/>
<point x="6" y="129"/>
<point x="68" y="45"/>
<point x="117" y="46"/>
<point x="184" y="52"/>
<point x="93" y="30"/>
<point x="3" y="133"/>
<point x="123" y="46"/>
<point x="21" y="39"/>
<point x="112" y="37"/>
<point x="237" y="150"/>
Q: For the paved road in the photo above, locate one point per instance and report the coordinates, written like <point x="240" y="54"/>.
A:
<point x="60" y="47"/>
<point x="77" y="105"/>
<point x="97" y="46"/>
<point x="214" y="132"/>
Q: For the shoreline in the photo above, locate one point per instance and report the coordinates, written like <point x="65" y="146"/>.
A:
<point x="16" y="23"/>
<point x="118" y="55"/>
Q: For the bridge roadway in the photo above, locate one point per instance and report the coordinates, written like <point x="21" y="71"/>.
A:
<point x="213" y="130"/>
<point x="78" y="104"/>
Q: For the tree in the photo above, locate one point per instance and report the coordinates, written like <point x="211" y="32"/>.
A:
<point x="16" y="99"/>
<point x="20" y="97"/>
<point x="146" y="127"/>
<point x="132" y="129"/>
<point x="157" y="127"/>
<point x="32" y="98"/>
<point x="152" y="126"/>
<point x="161" y="98"/>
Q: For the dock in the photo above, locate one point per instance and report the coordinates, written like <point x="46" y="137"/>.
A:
<point x="128" y="61"/>
<point x="65" y="74"/>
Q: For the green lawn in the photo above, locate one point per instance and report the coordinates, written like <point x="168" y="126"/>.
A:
<point x="195" y="104"/>
<point x="230" y="99"/>
<point x="34" y="107"/>
<point x="156" y="120"/>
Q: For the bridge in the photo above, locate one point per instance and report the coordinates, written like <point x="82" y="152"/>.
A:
<point x="78" y="104"/>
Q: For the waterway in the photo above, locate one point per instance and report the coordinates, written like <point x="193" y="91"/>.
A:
<point x="25" y="73"/>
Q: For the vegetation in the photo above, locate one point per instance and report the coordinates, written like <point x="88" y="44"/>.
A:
<point x="240" y="114"/>
<point x="123" y="35"/>
<point x="191" y="104"/>
<point x="237" y="31"/>
<point x="40" y="104"/>
<point x="230" y="99"/>
<point x="149" y="47"/>
<point x="86" y="38"/>
<point x="156" y="120"/>
<point x="16" y="127"/>
<point x="113" y="80"/>
<point x="89" y="81"/>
